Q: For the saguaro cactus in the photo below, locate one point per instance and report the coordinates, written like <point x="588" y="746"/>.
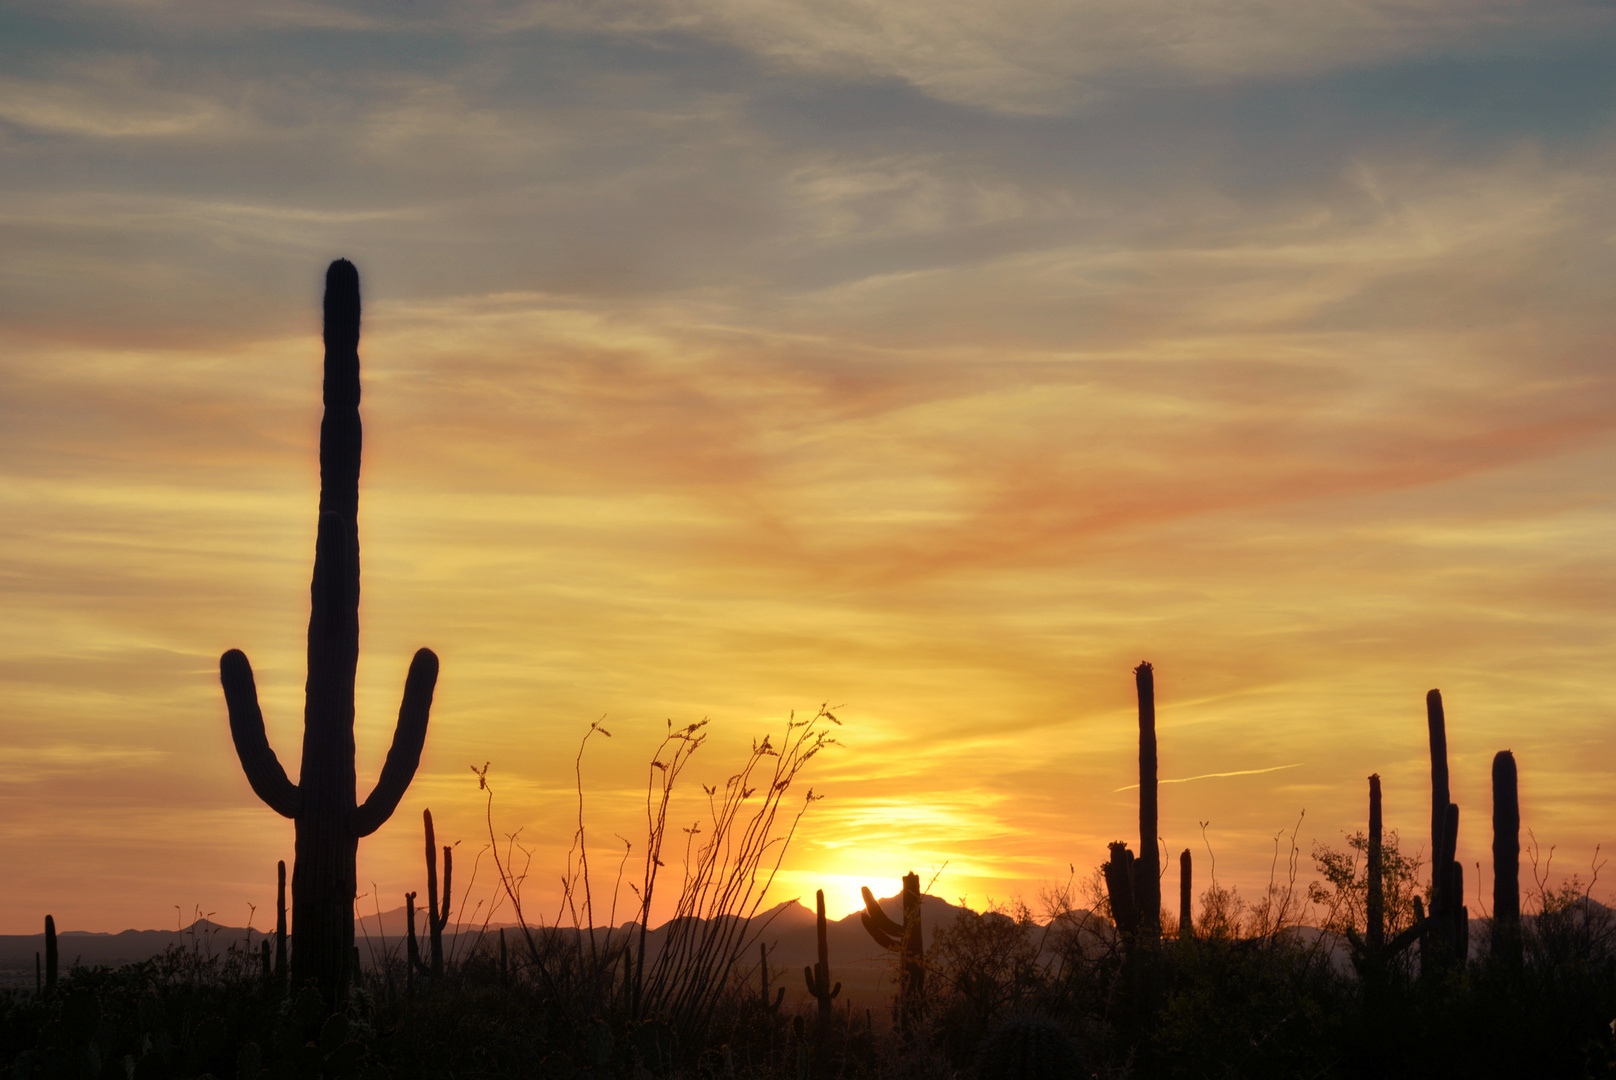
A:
<point x="818" y="976"/>
<point x="280" y="921"/>
<point x="1446" y="936"/>
<point x="1506" y="935"/>
<point x="906" y="940"/>
<point x="1147" y="867"/>
<point x="1133" y="882"/>
<point x="1186" y="925"/>
<point x="437" y="915"/>
<point x="323" y="803"/>
<point x="771" y="1008"/>
<point x="50" y="953"/>
<point x="1375" y="900"/>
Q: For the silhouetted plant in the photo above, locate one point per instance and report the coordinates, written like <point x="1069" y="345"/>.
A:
<point x="1445" y="938"/>
<point x="437" y="913"/>
<point x="818" y="976"/>
<point x="50" y="954"/>
<point x="280" y="923"/>
<point x="323" y="803"/>
<point x="906" y="941"/>
<point x="1505" y="940"/>
<point x="1133" y="882"/>
<point x="770" y="1008"/>
<point x="1186" y="921"/>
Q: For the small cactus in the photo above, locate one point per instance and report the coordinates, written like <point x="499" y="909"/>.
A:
<point x="50" y="954"/>
<point x="818" y="976"/>
<point x="1186" y="922"/>
<point x="280" y="922"/>
<point x="770" y="1008"/>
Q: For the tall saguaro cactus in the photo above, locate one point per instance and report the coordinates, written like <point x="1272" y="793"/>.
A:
<point x="1133" y="883"/>
<point x="906" y="940"/>
<point x="1506" y="935"/>
<point x="1446" y="937"/>
<point x="1375" y="903"/>
<point x="1147" y="868"/>
<point x="323" y="802"/>
<point x="437" y="915"/>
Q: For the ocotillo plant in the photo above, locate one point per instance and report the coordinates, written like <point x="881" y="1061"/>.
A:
<point x="818" y="976"/>
<point x="1506" y="936"/>
<point x="1186" y="925"/>
<point x="906" y="940"/>
<point x="50" y="953"/>
<point x="770" y="1008"/>
<point x="330" y="822"/>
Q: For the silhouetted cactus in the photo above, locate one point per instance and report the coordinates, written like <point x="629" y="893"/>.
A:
<point x="1375" y="900"/>
<point x="1147" y="866"/>
<point x="1446" y="929"/>
<point x="1371" y="952"/>
<point x="770" y="1008"/>
<point x="280" y="922"/>
<point x="818" y="976"/>
<point x="1133" y="882"/>
<point x="1186" y="924"/>
<point x="330" y="822"/>
<point x="50" y="953"/>
<point x="1506" y="935"/>
<point x="412" y="950"/>
<point x="1119" y="889"/>
<point x="1028" y="1048"/>
<point x="905" y="939"/>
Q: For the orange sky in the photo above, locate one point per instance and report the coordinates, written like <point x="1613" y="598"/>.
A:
<point x="723" y="359"/>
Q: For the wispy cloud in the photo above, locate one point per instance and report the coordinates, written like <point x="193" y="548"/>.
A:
<point x="1215" y="775"/>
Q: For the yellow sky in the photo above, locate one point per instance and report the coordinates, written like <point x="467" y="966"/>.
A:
<point x="712" y="373"/>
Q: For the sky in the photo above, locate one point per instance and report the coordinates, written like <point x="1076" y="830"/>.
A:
<point x="935" y="361"/>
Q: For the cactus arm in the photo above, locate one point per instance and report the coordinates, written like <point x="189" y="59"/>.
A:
<point x="264" y="770"/>
<point x="1408" y="936"/>
<point x="404" y="757"/>
<point x="808" y="977"/>
<point x="882" y="938"/>
<point x="448" y="871"/>
<point x="879" y="917"/>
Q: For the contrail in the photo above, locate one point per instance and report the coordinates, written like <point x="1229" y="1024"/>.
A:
<point x="1210" y="775"/>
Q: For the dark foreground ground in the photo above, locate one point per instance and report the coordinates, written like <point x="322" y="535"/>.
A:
<point x="1003" y="1001"/>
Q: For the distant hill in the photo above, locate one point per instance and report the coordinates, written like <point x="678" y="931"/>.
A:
<point x="864" y="969"/>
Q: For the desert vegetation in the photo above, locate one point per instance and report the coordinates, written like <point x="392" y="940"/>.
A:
<point x="1369" y="964"/>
